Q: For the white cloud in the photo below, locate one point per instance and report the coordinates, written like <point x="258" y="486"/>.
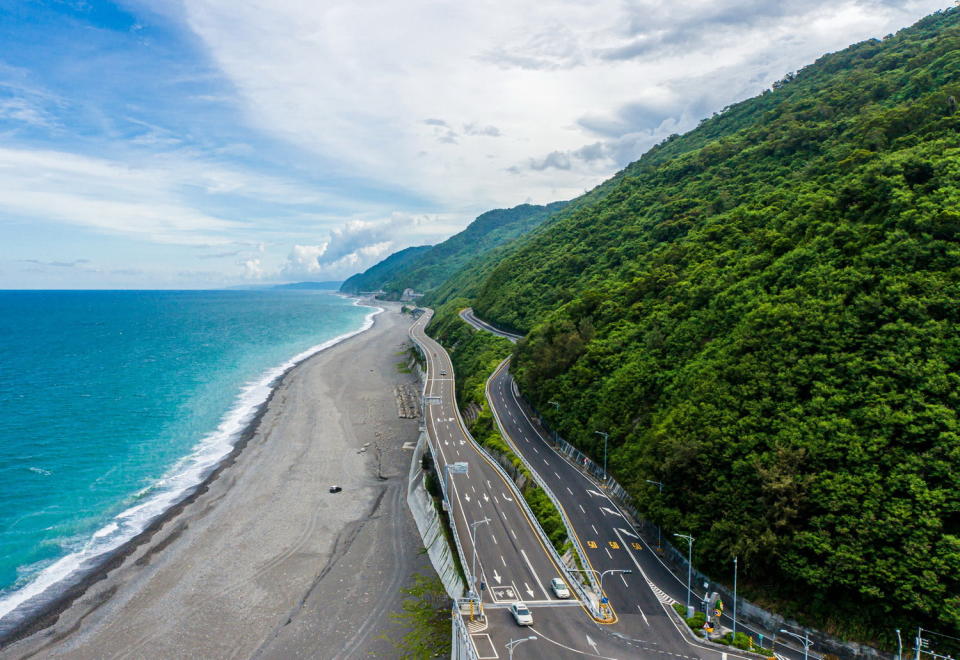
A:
<point x="252" y="269"/>
<point x="381" y="89"/>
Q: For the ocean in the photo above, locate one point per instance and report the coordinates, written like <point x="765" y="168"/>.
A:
<point x="114" y="404"/>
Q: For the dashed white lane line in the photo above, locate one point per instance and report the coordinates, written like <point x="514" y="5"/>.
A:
<point x="569" y="491"/>
<point x="582" y="510"/>
<point x="608" y="553"/>
<point x="496" y="542"/>
<point x="503" y="560"/>
<point x="621" y="577"/>
<point x="546" y="462"/>
<point x="645" y="617"/>
<point x="595" y="529"/>
<point x="514" y="534"/>
<point x="557" y="475"/>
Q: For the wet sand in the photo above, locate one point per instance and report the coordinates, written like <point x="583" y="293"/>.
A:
<point x="266" y="562"/>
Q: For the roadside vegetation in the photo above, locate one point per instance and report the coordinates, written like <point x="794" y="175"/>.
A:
<point x="425" y="620"/>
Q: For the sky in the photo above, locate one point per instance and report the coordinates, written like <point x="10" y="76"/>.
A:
<point x="210" y="143"/>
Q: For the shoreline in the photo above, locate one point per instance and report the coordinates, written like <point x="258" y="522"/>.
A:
<point x="43" y="609"/>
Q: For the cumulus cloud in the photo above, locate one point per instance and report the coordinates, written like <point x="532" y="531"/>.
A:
<point x="252" y="269"/>
<point x="303" y="262"/>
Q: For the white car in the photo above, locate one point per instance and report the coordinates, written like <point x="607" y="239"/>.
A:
<point x="559" y="588"/>
<point x="521" y="614"/>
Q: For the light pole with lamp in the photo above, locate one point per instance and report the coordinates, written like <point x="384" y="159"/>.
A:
<point x="899" y="645"/>
<point x="735" y="598"/>
<point x="805" y="640"/>
<point x="461" y="467"/>
<point x="658" y="484"/>
<point x="473" y="542"/>
<point x="623" y="571"/>
<point x="517" y="642"/>
<point x="690" y="540"/>
<point x="556" y="437"/>
<point x="606" y="436"/>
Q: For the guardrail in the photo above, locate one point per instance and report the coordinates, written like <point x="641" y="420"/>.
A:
<point x="461" y="646"/>
<point x="443" y="485"/>
<point x="544" y="539"/>
<point x="543" y="484"/>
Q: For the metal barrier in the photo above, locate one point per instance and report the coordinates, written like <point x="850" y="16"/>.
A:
<point x="461" y="645"/>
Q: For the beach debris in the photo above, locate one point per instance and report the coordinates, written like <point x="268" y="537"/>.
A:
<point x="407" y="407"/>
<point x="335" y="489"/>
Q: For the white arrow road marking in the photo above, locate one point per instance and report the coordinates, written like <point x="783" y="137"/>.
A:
<point x="509" y="499"/>
<point x="528" y="589"/>
<point x="466" y="496"/>
<point x="571" y="649"/>
<point x="623" y="531"/>
<point x="486" y="498"/>
<point x="523" y="553"/>
<point x="592" y="644"/>
<point x="643" y="615"/>
<point x="592" y="493"/>
<point x="611" y="511"/>
<point x="498" y="577"/>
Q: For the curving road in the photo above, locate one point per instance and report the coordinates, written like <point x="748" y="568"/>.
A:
<point x="605" y="534"/>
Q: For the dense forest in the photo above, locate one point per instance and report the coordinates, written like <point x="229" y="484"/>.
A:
<point x="763" y="313"/>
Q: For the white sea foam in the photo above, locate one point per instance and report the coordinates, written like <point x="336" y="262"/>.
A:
<point x="170" y="489"/>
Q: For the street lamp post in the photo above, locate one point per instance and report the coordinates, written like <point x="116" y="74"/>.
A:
<point x="689" y="564"/>
<point x="805" y="640"/>
<point x="601" y="574"/>
<point x="659" y="485"/>
<point x="460" y="467"/>
<point x="517" y="642"/>
<point x="473" y="542"/>
<point x="556" y="437"/>
<point x="899" y="646"/>
<point x="735" y="598"/>
<point x="606" y="436"/>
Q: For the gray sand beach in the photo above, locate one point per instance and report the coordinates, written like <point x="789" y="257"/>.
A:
<point x="267" y="563"/>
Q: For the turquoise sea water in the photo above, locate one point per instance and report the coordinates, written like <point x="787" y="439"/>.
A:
<point x="114" y="403"/>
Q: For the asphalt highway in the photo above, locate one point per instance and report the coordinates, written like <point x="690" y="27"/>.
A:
<point x="510" y="560"/>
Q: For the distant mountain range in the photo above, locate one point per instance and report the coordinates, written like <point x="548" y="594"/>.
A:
<point x="426" y="267"/>
<point x="323" y="286"/>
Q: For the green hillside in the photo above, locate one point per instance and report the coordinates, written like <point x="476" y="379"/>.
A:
<point x="763" y="314"/>
<point x="431" y="266"/>
<point x="374" y="277"/>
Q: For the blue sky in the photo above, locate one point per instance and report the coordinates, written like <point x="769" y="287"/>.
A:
<point x="219" y="142"/>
